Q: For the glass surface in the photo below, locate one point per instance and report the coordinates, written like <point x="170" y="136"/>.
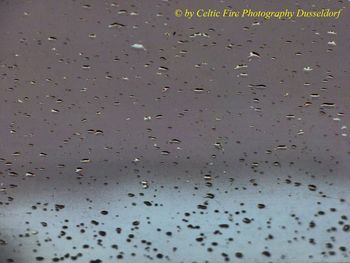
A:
<point x="128" y="134"/>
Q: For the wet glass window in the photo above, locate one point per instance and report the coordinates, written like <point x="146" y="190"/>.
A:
<point x="174" y="131"/>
